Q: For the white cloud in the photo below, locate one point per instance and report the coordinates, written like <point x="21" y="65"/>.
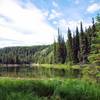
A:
<point x="64" y="24"/>
<point x="54" y="14"/>
<point x="46" y="13"/>
<point x="30" y="19"/>
<point x="94" y="7"/>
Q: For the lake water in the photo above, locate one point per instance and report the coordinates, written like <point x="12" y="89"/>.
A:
<point x="36" y="71"/>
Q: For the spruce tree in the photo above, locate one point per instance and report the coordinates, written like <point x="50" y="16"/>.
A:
<point x="93" y="28"/>
<point x="60" y="49"/>
<point x="55" y="51"/>
<point x="74" y="50"/>
<point x="63" y="51"/>
<point x="87" y="45"/>
<point x="83" y="52"/>
<point x="77" y="39"/>
<point x="98" y="18"/>
<point x="88" y="38"/>
<point x="77" y="44"/>
<point x="69" y="47"/>
<point x="81" y="42"/>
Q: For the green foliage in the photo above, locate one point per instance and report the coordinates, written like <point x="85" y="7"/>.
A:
<point x="98" y="18"/>
<point x="90" y="73"/>
<point x="73" y="90"/>
<point x="60" y="53"/>
<point x="70" y="47"/>
<point x="83" y="45"/>
<point x="94" y="57"/>
<point x="14" y="89"/>
<point x="55" y="52"/>
<point x="26" y="55"/>
<point x="76" y="46"/>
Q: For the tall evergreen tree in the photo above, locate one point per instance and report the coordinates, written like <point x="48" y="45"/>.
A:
<point x="87" y="45"/>
<point x="77" y="44"/>
<point x="60" y="49"/>
<point x="74" y="49"/>
<point x="69" y="47"/>
<point x="83" y="57"/>
<point x="55" y="51"/>
<point x="77" y="39"/>
<point x="98" y="18"/>
<point x="88" y="33"/>
<point x="81" y="42"/>
<point x="93" y="28"/>
<point x="63" y="51"/>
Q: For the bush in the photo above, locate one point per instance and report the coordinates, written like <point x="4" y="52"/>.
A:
<point x="94" y="57"/>
<point x="97" y="62"/>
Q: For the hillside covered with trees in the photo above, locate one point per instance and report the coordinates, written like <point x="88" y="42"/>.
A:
<point x="22" y="55"/>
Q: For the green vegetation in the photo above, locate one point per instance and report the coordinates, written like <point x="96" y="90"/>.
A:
<point x="25" y="55"/>
<point x="17" y="89"/>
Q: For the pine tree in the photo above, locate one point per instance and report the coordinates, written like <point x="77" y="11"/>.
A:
<point x="81" y="42"/>
<point x="55" y="51"/>
<point x="69" y="47"/>
<point x="93" y="28"/>
<point x="88" y="38"/>
<point x="63" y="51"/>
<point x="74" y="50"/>
<point x="77" y="39"/>
<point x="77" y="44"/>
<point x="89" y="33"/>
<point x="87" y="45"/>
<point x="98" y="18"/>
<point x="83" y="49"/>
<point x="60" y="49"/>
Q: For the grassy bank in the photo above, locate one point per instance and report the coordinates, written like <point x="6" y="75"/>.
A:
<point x="70" y="89"/>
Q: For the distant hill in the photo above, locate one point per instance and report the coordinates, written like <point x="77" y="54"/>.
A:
<point x="31" y="54"/>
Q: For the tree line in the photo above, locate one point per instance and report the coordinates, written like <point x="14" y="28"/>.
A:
<point x="21" y="55"/>
<point x="77" y="47"/>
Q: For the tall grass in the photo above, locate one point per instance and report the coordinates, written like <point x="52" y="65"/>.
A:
<point x="70" y="89"/>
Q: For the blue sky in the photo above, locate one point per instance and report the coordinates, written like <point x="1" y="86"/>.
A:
<point x="35" y="22"/>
